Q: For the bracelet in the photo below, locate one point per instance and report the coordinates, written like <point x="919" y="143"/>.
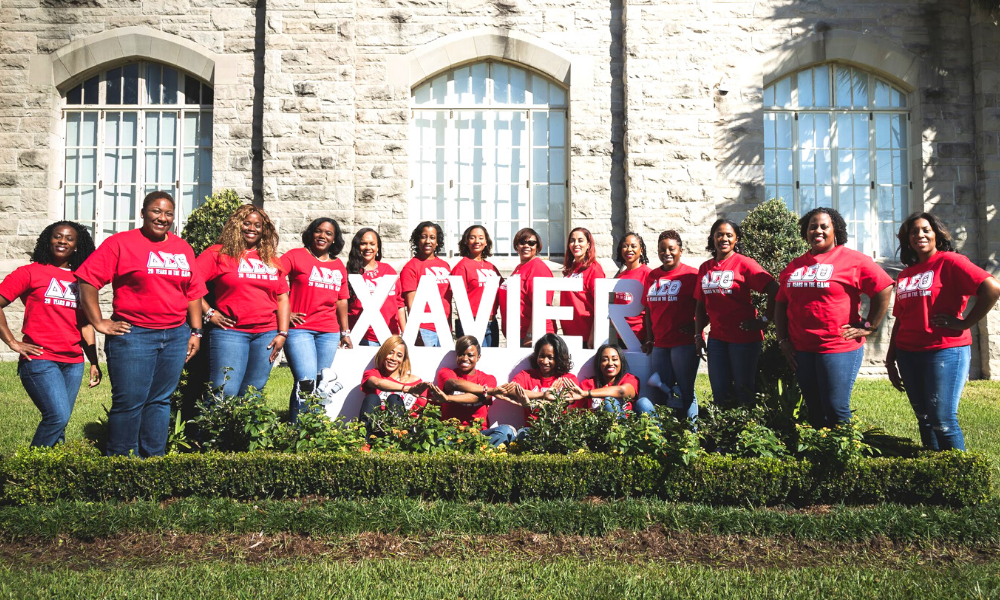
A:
<point x="345" y="333"/>
<point x="209" y="314"/>
<point x="285" y="334"/>
<point x="197" y="332"/>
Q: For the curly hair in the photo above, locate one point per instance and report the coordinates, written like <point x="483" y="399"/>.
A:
<point x="523" y="234"/>
<point x="569" y="263"/>
<point x="463" y="243"/>
<point x="356" y="262"/>
<point x="839" y="225"/>
<point x="737" y="247"/>
<point x="338" y="236"/>
<point x="234" y="245"/>
<point x="42" y="254"/>
<point x="387" y="349"/>
<point x="643" y="258"/>
<point x="419" y="229"/>
<point x="599" y="374"/>
<point x="942" y="237"/>
<point x="670" y="234"/>
<point x="559" y="351"/>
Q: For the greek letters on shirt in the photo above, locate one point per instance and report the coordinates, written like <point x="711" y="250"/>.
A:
<point x="482" y="276"/>
<point x="718" y="282"/>
<point x="327" y="279"/>
<point x="664" y="290"/>
<point x="408" y="399"/>
<point x="165" y="263"/>
<point x="813" y="276"/>
<point x="61" y="293"/>
<point x="254" y="268"/>
<point x="915" y="286"/>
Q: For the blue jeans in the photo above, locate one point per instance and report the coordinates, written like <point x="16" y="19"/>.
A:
<point x="144" y="366"/>
<point x="732" y="372"/>
<point x="429" y="338"/>
<point x="616" y="406"/>
<point x="678" y="369"/>
<point x="308" y="353"/>
<point x="238" y="360"/>
<point x="491" y="339"/>
<point x="501" y="434"/>
<point x="365" y="342"/>
<point x="826" y="381"/>
<point x="52" y="386"/>
<point x="934" y="381"/>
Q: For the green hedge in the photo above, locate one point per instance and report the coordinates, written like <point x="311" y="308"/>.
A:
<point x="78" y="473"/>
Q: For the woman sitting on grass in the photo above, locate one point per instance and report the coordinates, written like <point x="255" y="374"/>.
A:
<point x="469" y="393"/>
<point x="612" y="387"/>
<point x="549" y="373"/>
<point x="391" y="385"/>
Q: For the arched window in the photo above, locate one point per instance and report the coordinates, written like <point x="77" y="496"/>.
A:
<point x="837" y="136"/>
<point x="488" y="146"/>
<point x="131" y="130"/>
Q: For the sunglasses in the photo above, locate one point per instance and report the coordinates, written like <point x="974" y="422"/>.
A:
<point x="531" y="243"/>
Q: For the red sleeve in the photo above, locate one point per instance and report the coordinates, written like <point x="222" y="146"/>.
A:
<point x="632" y="380"/>
<point x="871" y="278"/>
<point x="444" y="375"/>
<point x="208" y="263"/>
<point x="755" y="275"/>
<point x="699" y="294"/>
<point x="523" y="379"/>
<point x="572" y="378"/>
<point x="408" y="278"/>
<point x="588" y="384"/>
<point x="287" y="262"/>
<point x="783" y="277"/>
<point x="99" y="268"/>
<point x="965" y="275"/>
<point x="15" y="284"/>
<point x="282" y="278"/>
<point x="366" y="376"/>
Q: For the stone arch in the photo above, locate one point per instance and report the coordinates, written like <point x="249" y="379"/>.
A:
<point x="848" y="47"/>
<point x="79" y="58"/>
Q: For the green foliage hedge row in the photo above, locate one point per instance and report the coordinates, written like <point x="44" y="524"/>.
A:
<point x="78" y="472"/>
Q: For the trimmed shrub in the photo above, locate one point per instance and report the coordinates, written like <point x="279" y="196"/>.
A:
<point x="204" y="224"/>
<point x="77" y="472"/>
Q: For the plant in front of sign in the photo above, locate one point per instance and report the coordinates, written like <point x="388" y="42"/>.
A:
<point x="558" y="429"/>
<point x="314" y="431"/>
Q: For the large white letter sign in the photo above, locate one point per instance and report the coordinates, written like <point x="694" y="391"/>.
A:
<point x="475" y="327"/>
<point x="427" y="308"/>
<point x="371" y="304"/>
<point x="512" y="324"/>
<point x="617" y="312"/>
<point x="541" y="311"/>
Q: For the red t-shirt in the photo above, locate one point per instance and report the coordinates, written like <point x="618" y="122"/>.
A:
<point x="582" y="302"/>
<point x="636" y="323"/>
<point x="409" y="279"/>
<point x="532" y="381"/>
<point x="411" y="402"/>
<point x="315" y="287"/>
<point x="823" y="293"/>
<point x="528" y="271"/>
<point x="669" y="298"/>
<point x="591" y="384"/>
<point x="475" y="273"/>
<point x="153" y="282"/>
<point x="942" y="285"/>
<point x="51" y="318"/>
<point x="725" y="288"/>
<point x="246" y="290"/>
<point x="466" y="413"/>
<point x="390" y="308"/>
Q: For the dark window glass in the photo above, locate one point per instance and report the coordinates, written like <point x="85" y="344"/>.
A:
<point x="191" y="90"/>
<point x="207" y="95"/>
<point x="169" y="86"/>
<point x="113" y="87"/>
<point x="131" y="87"/>
<point x="153" y="84"/>
<point x="90" y="90"/>
<point x="75" y="95"/>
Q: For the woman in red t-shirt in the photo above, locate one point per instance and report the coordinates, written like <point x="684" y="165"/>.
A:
<point x="475" y="246"/>
<point x="930" y="339"/>
<point x="50" y="356"/>
<point x="631" y="256"/>
<point x="819" y="327"/>
<point x="528" y="244"/>
<point x="391" y="385"/>
<point x="157" y="287"/>
<point x="426" y="242"/>
<point x="613" y="387"/>
<point x="365" y="259"/>
<point x="670" y="307"/>
<point x="470" y="393"/>
<point x="723" y="295"/>
<point x="549" y="373"/>
<point x="318" y="301"/>
<point x="581" y="262"/>
<point x="252" y="313"/>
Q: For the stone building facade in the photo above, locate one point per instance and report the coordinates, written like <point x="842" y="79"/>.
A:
<point x="314" y="109"/>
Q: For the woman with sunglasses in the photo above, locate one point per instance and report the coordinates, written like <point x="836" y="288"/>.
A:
<point x="528" y="244"/>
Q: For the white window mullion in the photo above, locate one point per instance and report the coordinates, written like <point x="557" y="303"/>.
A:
<point x="796" y="159"/>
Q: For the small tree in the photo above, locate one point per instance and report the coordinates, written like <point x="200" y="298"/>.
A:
<point x="771" y="237"/>
<point x="204" y="224"/>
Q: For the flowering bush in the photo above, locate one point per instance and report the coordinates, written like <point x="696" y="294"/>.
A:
<point x="834" y="447"/>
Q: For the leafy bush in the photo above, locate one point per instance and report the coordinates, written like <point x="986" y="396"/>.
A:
<point x="204" y="224"/>
<point x="313" y="431"/>
<point x="834" y="447"/>
<point x="561" y="430"/>
<point x="236" y="424"/>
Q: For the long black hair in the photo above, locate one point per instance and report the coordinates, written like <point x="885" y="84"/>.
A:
<point x="643" y="259"/>
<point x="560" y="353"/>
<point x="419" y="229"/>
<point x="737" y="247"/>
<point x="355" y="262"/>
<point x="942" y="237"/>
<point x="42" y="254"/>
<point x="338" y="236"/>
<point x="599" y="374"/>
<point x="839" y="225"/>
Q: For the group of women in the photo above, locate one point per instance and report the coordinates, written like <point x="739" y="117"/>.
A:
<point x="253" y="303"/>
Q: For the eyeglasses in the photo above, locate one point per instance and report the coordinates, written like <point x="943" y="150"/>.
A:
<point x="531" y="243"/>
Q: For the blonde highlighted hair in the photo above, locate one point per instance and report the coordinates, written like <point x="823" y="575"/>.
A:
<point x="387" y="348"/>
<point x="232" y="240"/>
